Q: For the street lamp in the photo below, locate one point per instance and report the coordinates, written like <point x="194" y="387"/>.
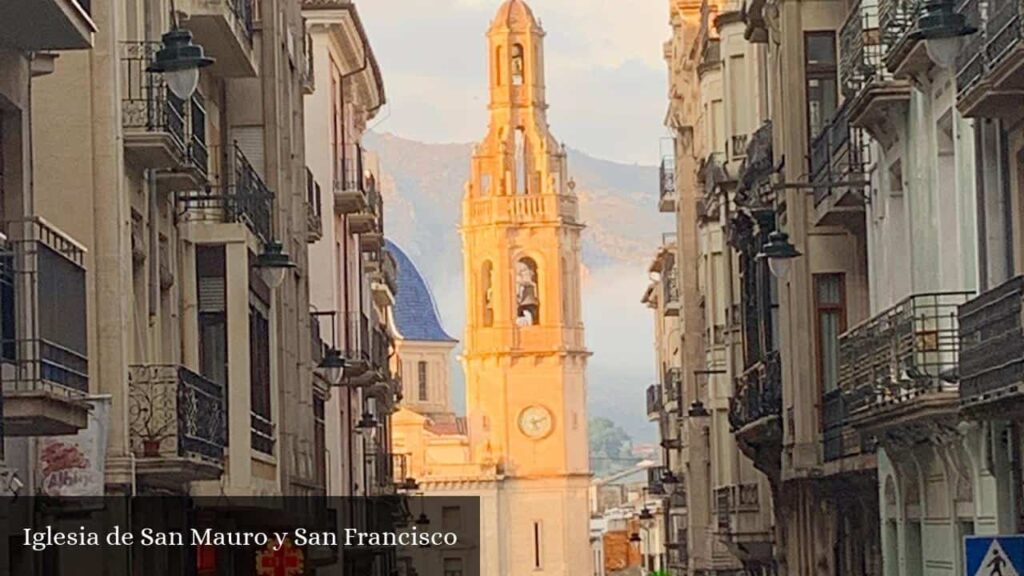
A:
<point x="942" y="27"/>
<point x="366" y="422"/>
<point x="778" y="251"/>
<point x="698" y="410"/>
<point x="179" y="60"/>
<point x="332" y="367"/>
<point x="274" y="262"/>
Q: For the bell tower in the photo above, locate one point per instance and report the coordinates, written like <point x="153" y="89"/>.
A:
<point x="524" y="357"/>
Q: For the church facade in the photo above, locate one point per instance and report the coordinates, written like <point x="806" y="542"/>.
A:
<point x="525" y="433"/>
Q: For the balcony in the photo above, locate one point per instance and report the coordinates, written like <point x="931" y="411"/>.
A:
<point x="39" y="25"/>
<point x="898" y="370"/>
<point x="314" y="209"/>
<point x="44" y="365"/>
<point x="971" y="62"/>
<point x="756" y="405"/>
<point x="361" y="347"/>
<point x="225" y="29"/>
<point x="655" y="484"/>
<point x="904" y="57"/>
<point x="160" y="131"/>
<point x="655" y="405"/>
<point x="877" y="98"/>
<point x="369" y="223"/>
<point x="677" y="549"/>
<point x="240" y="197"/>
<point x="307" y="77"/>
<point x="992" y="345"/>
<point x="667" y="185"/>
<point x="758" y="165"/>
<point x="672" y="387"/>
<point x="350" y="186"/>
<point x="990" y="84"/>
<point x="382" y="270"/>
<point x="177" y="421"/>
<point x="670" y="292"/>
<point x="838" y="172"/>
<point x="840" y="439"/>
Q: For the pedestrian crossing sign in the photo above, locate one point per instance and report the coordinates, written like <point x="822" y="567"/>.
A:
<point x="994" y="555"/>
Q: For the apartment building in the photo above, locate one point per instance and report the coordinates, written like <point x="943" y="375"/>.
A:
<point x="871" y="242"/>
<point x="166" y="255"/>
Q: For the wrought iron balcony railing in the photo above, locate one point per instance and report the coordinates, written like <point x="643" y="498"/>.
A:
<point x="758" y="393"/>
<point x="1004" y="29"/>
<point x="148" y="104"/>
<point x="672" y="384"/>
<point x="667" y="178"/>
<point x="240" y="196"/>
<point x="896" y="20"/>
<point x="670" y="288"/>
<point x="759" y="163"/>
<point x="992" y="340"/>
<point x="907" y="350"/>
<point x="971" y="61"/>
<point x="655" y="475"/>
<point x="839" y="156"/>
<point x="42" y="311"/>
<point x="863" y="45"/>
<point x="244" y="12"/>
<point x="655" y="403"/>
<point x="677" y="548"/>
<point x="738" y="145"/>
<point x="176" y="413"/>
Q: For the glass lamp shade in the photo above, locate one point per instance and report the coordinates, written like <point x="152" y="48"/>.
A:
<point x="274" y="262"/>
<point x="274" y="277"/>
<point x="182" y="82"/>
<point x="943" y="50"/>
<point x="779" y="267"/>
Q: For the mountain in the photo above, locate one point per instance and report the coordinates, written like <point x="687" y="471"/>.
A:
<point x="423" y="184"/>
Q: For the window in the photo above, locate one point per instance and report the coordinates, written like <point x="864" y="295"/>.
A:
<point x="259" y="380"/>
<point x="830" y="304"/>
<point x="527" y="293"/>
<point x="259" y="362"/>
<point x="453" y="567"/>
<point x="821" y="80"/>
<point x="421" y="381"/>
<point x="319" y="439"/>
<point x="521" y="167"/>
<point x="499" y="55"/>
<point x="213" y="321"/>
<point x="536" y="545"/>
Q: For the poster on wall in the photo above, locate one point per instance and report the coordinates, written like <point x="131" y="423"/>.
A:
<point x="74" y="465"/>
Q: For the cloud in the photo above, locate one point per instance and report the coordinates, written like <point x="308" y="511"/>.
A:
<point x="605" y="75"/>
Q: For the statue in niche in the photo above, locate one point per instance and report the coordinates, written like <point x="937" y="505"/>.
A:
<point x="517" y="65"/>
<point x="527" y="299"/>
<point x="488" y="289"/>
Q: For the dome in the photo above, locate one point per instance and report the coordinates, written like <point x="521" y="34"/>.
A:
<point x="415" y="311"/>
<point x="515" y="14"/>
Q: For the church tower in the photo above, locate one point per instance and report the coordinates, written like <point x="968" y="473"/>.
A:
<point x="524" y="356"/>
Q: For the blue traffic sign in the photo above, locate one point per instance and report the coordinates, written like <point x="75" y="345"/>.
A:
<point x="994" y="555"/>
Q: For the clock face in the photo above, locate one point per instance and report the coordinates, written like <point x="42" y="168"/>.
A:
<point x="536" y="422"/>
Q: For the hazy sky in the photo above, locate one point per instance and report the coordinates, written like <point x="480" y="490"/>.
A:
<point x="605" y="73"/>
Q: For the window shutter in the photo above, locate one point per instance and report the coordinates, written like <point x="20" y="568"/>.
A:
<point x="250" y="142"/>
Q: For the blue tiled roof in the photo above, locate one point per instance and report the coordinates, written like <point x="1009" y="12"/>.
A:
<point x="415" y="311"/>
